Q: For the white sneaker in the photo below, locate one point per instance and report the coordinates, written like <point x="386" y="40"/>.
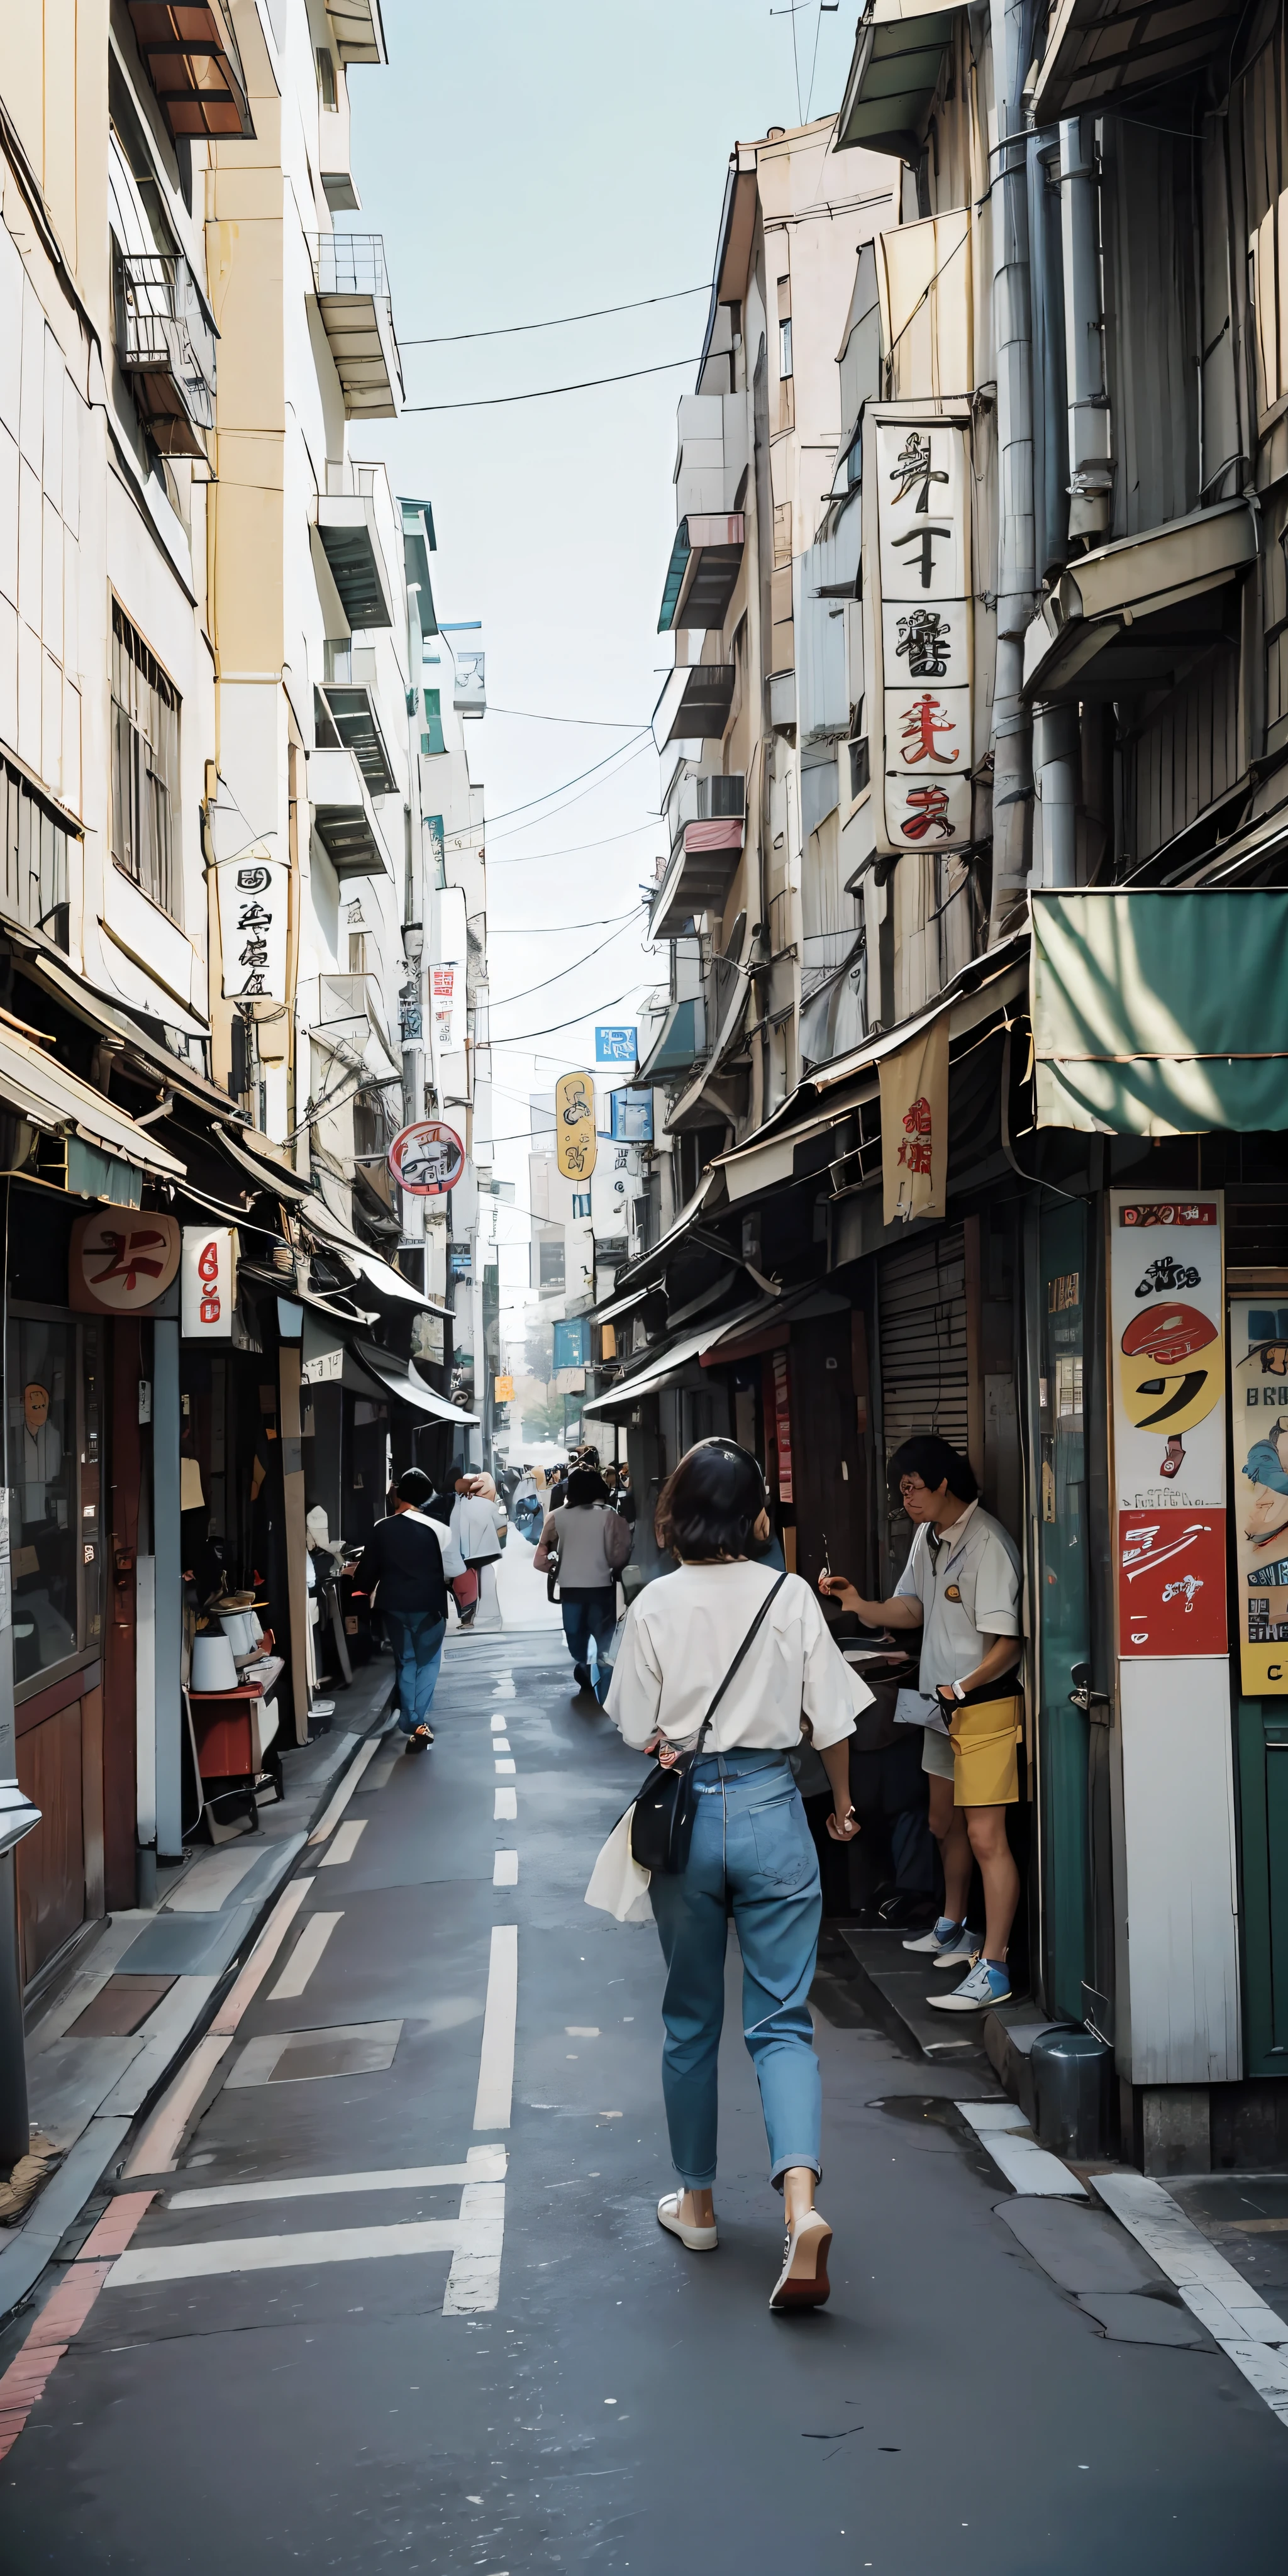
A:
<point x="700" y="2240"/>
<point x="964" y="1946"/>
<point x="947" y="1941"/>
<point x="987" y="1984"/>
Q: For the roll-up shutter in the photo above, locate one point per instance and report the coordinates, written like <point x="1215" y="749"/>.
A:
<point x="922" y="1294"/>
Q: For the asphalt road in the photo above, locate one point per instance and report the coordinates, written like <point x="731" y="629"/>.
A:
<point x="499" y="2362"/>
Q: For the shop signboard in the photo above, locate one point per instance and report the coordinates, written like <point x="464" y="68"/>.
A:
<point x="630" y="1115"/>
<point x="458" y="1261"/>
<point x="503" y="1389"/>
<point x="616" y="1046"/>
<point x="782" y="1427"/>
<point x="208" y="1282"/>
<point x="917" y="636"/>
<point x="322" y="1352"/>
<point x="121" y="1260"/>
<point x="1259" y="1428"/>
<point x="575" y="1126"/>
<point x="254" y="895"/>
<point x="1169" y="1397"/>
<point x="914" y="1126"/>
<point x="572" y="1343"/>
<point x="426" y="1158"/>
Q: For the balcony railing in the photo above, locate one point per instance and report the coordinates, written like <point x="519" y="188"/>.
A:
<point x="357" y="312"/>
<point x="166" y="344"/>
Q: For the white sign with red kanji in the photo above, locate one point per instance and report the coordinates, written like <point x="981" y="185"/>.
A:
<point x="254" y="894"/>
<point x="918" y="655"/>
<point x="208" y="1283"/>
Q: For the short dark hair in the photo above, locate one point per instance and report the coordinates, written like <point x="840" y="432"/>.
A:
<point x="937" y="1463"/>
<point x="585" y="1485"/>
<point x="711" y="1501"/>
<point x="414" y="1487"/>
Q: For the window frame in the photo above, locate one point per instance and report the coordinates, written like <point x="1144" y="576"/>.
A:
<point x="22" y="1310"/>
<point x="145" y="771"/>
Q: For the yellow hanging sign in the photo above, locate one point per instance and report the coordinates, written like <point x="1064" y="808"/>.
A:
<point x="503" y="1390"/>
<point x="575" y="1125"/>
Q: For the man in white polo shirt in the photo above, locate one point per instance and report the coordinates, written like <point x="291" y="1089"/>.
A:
<point x="961" y="1587"/>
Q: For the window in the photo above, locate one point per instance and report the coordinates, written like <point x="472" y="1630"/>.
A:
<point x="145" y="769"/>
<point x="357" y="952"/>
<point x="785" y="345"/>
<point x="860" y="765"/>
<point x="581" y="1203"/>
<point x="33" y="885"/>
<point x="326" y="77"/>
<point x="550" y="1261"/>
<point x="431" y="741"/>
<point x="55" y="1470"/>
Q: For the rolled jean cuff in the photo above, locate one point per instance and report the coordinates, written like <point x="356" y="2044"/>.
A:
<point x="784" y="2164"/>
<point x="694" y="2182"/>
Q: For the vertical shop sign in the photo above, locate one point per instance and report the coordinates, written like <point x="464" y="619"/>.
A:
<point x="782" y="1428"/>
<point x="1168" y="1366"/>
<point x="917" y="639"/>
<point x="575" y="1127"/>
<point x="914" y="1126"/>
<point x="253" y="899"/>
<point x="1259" y="1429"/>
<point x="208" y="1282"/>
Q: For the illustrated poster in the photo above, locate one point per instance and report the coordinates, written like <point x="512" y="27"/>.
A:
<point x="1168" y="1368"/>
<point x="1259" y="1433"/>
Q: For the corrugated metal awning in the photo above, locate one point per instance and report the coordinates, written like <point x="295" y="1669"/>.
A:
<point x="1121" y="619"/>
<point x="1103" y="53"/>
<point x="898" y="57"/>
<point x="50" y="1097"/>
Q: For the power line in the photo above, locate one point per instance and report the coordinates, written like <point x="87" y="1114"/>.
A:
<point x="562" y="788"/>
<point x="543" y="929"/>
<point x="542" y="393"/>
<point x="507" y="1045"/>
<point x="632" y="751"/>
<point x="507" y="330"/>
<point x="534" y="858"/>
<point x="610" y="724"/>
<point x="501" y="1002"/>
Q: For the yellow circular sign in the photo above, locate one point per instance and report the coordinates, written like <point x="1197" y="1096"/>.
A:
<point x="1171" y="1368"/>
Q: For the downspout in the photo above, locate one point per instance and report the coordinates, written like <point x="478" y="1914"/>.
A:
<point x="1011" y="28"/>
<point x="1090" y="471"/>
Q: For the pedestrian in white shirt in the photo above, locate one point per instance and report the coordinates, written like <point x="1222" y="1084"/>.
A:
<point x="751" y="1849"/>
<point x="477" y="1519"/>
<point x="961" y="1587"/>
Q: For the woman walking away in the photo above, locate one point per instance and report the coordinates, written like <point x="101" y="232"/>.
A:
<point x="477" y="1520"/>
<point x="728" y="1658"/>
<point x="404" y="1555"/>
<point x="593" y="1544"/>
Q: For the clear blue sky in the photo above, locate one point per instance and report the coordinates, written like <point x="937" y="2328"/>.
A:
<point x="523" y="163"/>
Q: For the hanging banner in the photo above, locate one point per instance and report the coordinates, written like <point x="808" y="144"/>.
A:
<point x="253" y="900"/>
<point x="426" y="1158"/>
<point x="322" y="1352"/>
<point x="1168" y="1367"/>
<point x="1259" y="1428"/>
<point x="917" y="633"/>
<point x="120" y="1261"/>
<point x="208" y="1283"/>
<point x="782" y="1427"/>
<point x="914" y="1126"/>
<point x="575" y="1126"/>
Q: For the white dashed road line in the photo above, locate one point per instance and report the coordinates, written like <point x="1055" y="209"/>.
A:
<point x="505" y="1869"/>
<point x="305" y="1955"/>
<point x="482" y="2164"/>
<point x="345" y="1844"/>
<point x="506" y="1807"/>
<point x="496" y="2063"/>
<point x="505" y="1770"/>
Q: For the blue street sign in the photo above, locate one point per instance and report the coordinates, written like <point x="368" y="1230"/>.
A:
<point x="631" y="1113"/>
<point x="615" y="1046"/>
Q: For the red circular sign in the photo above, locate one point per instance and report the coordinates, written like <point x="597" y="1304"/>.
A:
<point x="1168" y="1334"/>
<point x="427" y="1159"/>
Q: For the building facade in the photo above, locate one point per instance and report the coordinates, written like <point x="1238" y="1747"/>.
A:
<point x="1005" y="1158"/>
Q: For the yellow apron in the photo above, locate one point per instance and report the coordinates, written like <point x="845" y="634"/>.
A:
<point x="986" y="1771"/>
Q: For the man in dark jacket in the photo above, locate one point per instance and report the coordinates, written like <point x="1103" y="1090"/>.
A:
<point x="403" y="1556"/>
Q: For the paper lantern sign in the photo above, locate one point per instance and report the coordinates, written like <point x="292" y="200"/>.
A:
<point x="427" y="1158"/>
<point x="121" y="1261"/>
<point x="208" y="1282"/>
<point x="503" y="1389"/>
<point x="575" y="1126"/>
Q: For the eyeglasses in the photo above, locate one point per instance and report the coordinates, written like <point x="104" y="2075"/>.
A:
<point x="912" y="1485"/>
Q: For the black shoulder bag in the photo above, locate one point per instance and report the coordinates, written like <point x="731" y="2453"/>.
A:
<point x="662" y="1824"/>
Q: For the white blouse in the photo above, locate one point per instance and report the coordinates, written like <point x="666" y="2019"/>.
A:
<point x="681" y="1635"/>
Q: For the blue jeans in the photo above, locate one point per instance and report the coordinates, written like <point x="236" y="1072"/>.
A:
<point x="417" y="1641"/>
<point x="596" y="1617"/>
<point x="750" y="1838"/>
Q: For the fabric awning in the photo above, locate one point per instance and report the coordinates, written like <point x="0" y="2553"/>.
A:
<point x="1161" y="1014"/>
<point x="394" y="1378"/>
<point x="49" y="1096"/>
<point x="662" y="1371"/>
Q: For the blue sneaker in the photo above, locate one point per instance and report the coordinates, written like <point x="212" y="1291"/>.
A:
<point x="987" y="1984"/>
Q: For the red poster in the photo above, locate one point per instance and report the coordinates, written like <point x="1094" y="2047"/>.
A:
<point x="1171" y="1582"/>
<point x="782" y="1427"/>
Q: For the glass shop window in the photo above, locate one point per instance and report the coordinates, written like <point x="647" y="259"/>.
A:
<point x="54" y="1399"/>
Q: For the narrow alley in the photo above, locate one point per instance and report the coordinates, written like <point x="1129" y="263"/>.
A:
<point x="377" y="2310"/>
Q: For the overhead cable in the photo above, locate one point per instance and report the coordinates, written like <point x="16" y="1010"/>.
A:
<point x="507" y="330"/>
<point x="542" y="393"/>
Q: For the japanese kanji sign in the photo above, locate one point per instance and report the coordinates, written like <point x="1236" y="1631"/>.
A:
<point x="253" y="896"/>
<point x="1259" y="1423"/>
<point x="121" y="1259"/>
<point x="575" y="1126"/>
<point x="1169" y="1398"/>
<point x="914" y="1125"/>
<point x="918" y="643"/>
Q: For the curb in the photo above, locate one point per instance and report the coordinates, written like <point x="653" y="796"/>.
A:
<point x="56" y="2208"/>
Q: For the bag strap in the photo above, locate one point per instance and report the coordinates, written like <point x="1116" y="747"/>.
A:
<point x="766" y="1605"/>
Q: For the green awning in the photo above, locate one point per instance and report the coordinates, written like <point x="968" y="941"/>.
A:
<point x="1161" y="1014"/>
<point x="674" y="583"/>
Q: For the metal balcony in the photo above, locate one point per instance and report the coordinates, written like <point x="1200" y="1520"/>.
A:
<point x="353" y="712"/>
<point x="165" y="341"/>
<point x="343" y="817"/>
<point x="357" y="316"/>
<point x="347" y="533"/>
